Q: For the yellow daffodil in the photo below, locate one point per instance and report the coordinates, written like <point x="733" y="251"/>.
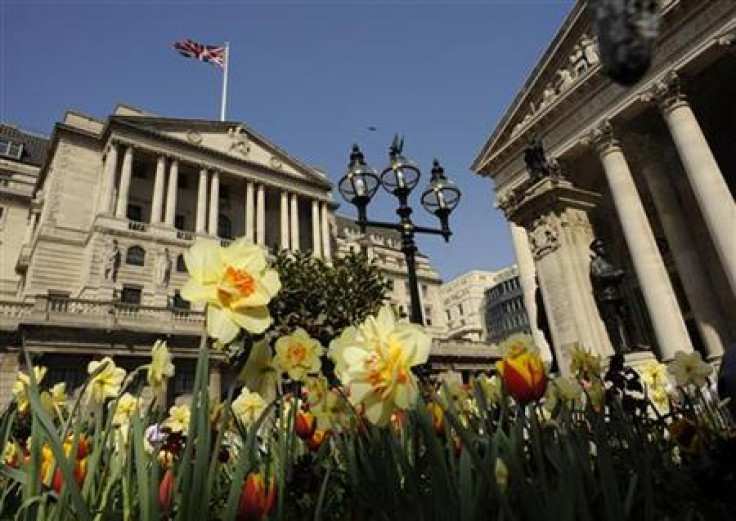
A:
<point x="584" y="364"/>
<point x="259" y="375"/>
<point x="331" y="411"/>
<point x="297" y="355"/>
<point x="654" y="376"/>
<point x="178" y="420"/>
<point x="688" y="369"/>
<point x="160" y="369"/>
<point x="127" y="406"/>
<point x="375" y="363"/>
<point x="235" y="283"/>
<point x="106" y="384"/>
<point x="248" y="407"/>
<point x="523" y="373"/>
<point x="21" y="384"/>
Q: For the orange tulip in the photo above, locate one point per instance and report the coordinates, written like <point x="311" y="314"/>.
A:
<point x="166" y="490"/>
<point x="438" y="418"/>
<point x="319" y="437"/>
<point x="305" y="424"/>
<point x="523" y="374"/>
<point x="255" y="501"/>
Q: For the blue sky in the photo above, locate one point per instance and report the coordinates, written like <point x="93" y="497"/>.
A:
<point x="309" y="75"/>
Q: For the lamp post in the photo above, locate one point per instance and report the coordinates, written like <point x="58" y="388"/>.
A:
<point x="360" y="183"/>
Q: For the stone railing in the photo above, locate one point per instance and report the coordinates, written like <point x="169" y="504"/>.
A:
<point x="85" y="313"/>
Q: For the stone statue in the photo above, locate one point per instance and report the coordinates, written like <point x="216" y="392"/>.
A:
<point x="607" y="282"/>
<point x="163" y="268"/>
<point x="626" y="32"/>
<point x="111" y="257"/>
<point x="239" y="140"/>
<point x="536" y="160"/>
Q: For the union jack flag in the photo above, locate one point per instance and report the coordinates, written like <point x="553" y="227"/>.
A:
<point x="215" y="54"/>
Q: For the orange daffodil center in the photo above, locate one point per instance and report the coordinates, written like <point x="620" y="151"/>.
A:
<point x="374" y="362"/>
<point x="236" y="284"/>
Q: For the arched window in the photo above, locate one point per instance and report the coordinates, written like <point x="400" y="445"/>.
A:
<point x="180" y="264"/>
<point x="224" y="227"/>
<point x="135" y="256"/>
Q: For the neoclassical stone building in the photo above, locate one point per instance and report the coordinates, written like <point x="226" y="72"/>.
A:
<point x="463" y="300"/>
<point x="650" y="170"/>
<point x="99" y="263"/>
<point x="503" y="307"/>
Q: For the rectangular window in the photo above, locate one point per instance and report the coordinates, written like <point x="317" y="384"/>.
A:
<point x="179" y="221"/>
<point x="131" y="295"/>
<point x="390" y="284"/>
<point x="135" y="212"/>
<point x="10" y="149"/>
<point x="58" y="301"/>
<point x="424" y="290"/>
<point x="460" y="309"/>
<point x="178" y="303"/>
<point x="225" y="192"/>
<point x="182" y="181"/>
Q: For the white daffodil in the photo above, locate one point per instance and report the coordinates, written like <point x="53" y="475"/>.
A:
<point x="689" y="369"/>
<point x="248" y="407"/>
<point x="235" y="283"/>
<point x="375" y="364"/>
<point x="106" y="384"/>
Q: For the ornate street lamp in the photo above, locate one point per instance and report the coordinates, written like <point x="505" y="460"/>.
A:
<point x="399" y="178"/>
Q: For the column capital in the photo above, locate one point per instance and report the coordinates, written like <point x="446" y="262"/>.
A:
<point x="667" y="92"/>
<point x="601" y="137"/>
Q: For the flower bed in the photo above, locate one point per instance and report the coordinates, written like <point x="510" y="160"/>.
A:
<point x="345" y="429"/>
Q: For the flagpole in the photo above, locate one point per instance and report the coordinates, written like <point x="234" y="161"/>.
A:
<point x="223" y="104"/>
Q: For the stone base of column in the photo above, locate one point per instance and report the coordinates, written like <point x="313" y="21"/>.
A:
<point x="639" y="359"/>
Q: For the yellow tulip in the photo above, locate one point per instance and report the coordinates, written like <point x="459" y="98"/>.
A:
<point x="522" y="372"/>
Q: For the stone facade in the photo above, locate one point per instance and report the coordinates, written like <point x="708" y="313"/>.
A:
<point x="384" y="248"/>
<point x="463" y="300"/>
<point x="99" y="266"/>
<point x="650" y="170"/>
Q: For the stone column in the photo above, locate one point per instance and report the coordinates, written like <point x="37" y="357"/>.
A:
<point x="214" y="203"/>
<point x="261" y="215"/>
<point x="294" y="222"/>
<point x="316" y="235"/>
<point x="121" y="211"/>
<point x="527" y="276"/>
<point x="664" y="311"/>
<point x="249" y="212"/>
<point x="707" y="182"/>
<point x="172" y="189"/>
<point x="284" y="235"/>
<point x="326" y="243"/>
<point x="201" y="222"/>
<point x="157" y="202"/>
<point x="555" y="215"/>
<point x="108" y="178"/>
<point x="708" y="318"/>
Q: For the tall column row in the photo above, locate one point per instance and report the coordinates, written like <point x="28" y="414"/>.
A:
<point x="165" y="195"/>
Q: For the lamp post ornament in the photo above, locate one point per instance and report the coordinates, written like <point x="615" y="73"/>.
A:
<point x="360" y="183"/>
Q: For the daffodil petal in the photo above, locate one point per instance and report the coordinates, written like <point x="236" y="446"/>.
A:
<point x="204" y="262"/>
<point x="220" y="325"/>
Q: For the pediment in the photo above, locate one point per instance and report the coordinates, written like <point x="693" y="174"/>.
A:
<point x="571" y="57"/>
<point x="233" y="139"/>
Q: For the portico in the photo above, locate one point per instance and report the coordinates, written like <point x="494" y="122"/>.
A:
<point x="660" y="158"/>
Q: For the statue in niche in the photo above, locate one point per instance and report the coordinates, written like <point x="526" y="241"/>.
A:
<point x="607" y="281"/>
<point x="163" y="268"/>
<point x="536" y="160"/>
<point x="111" y="257"/>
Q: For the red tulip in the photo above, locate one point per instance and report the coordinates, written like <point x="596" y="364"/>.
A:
<point x="305" y="425"/>
<point x="166" y="490"/>
<point x="319" y="437"/>
<point x="524" y="375"/>
<point x="79" y="472"/>
<point x="255" y="501"/>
